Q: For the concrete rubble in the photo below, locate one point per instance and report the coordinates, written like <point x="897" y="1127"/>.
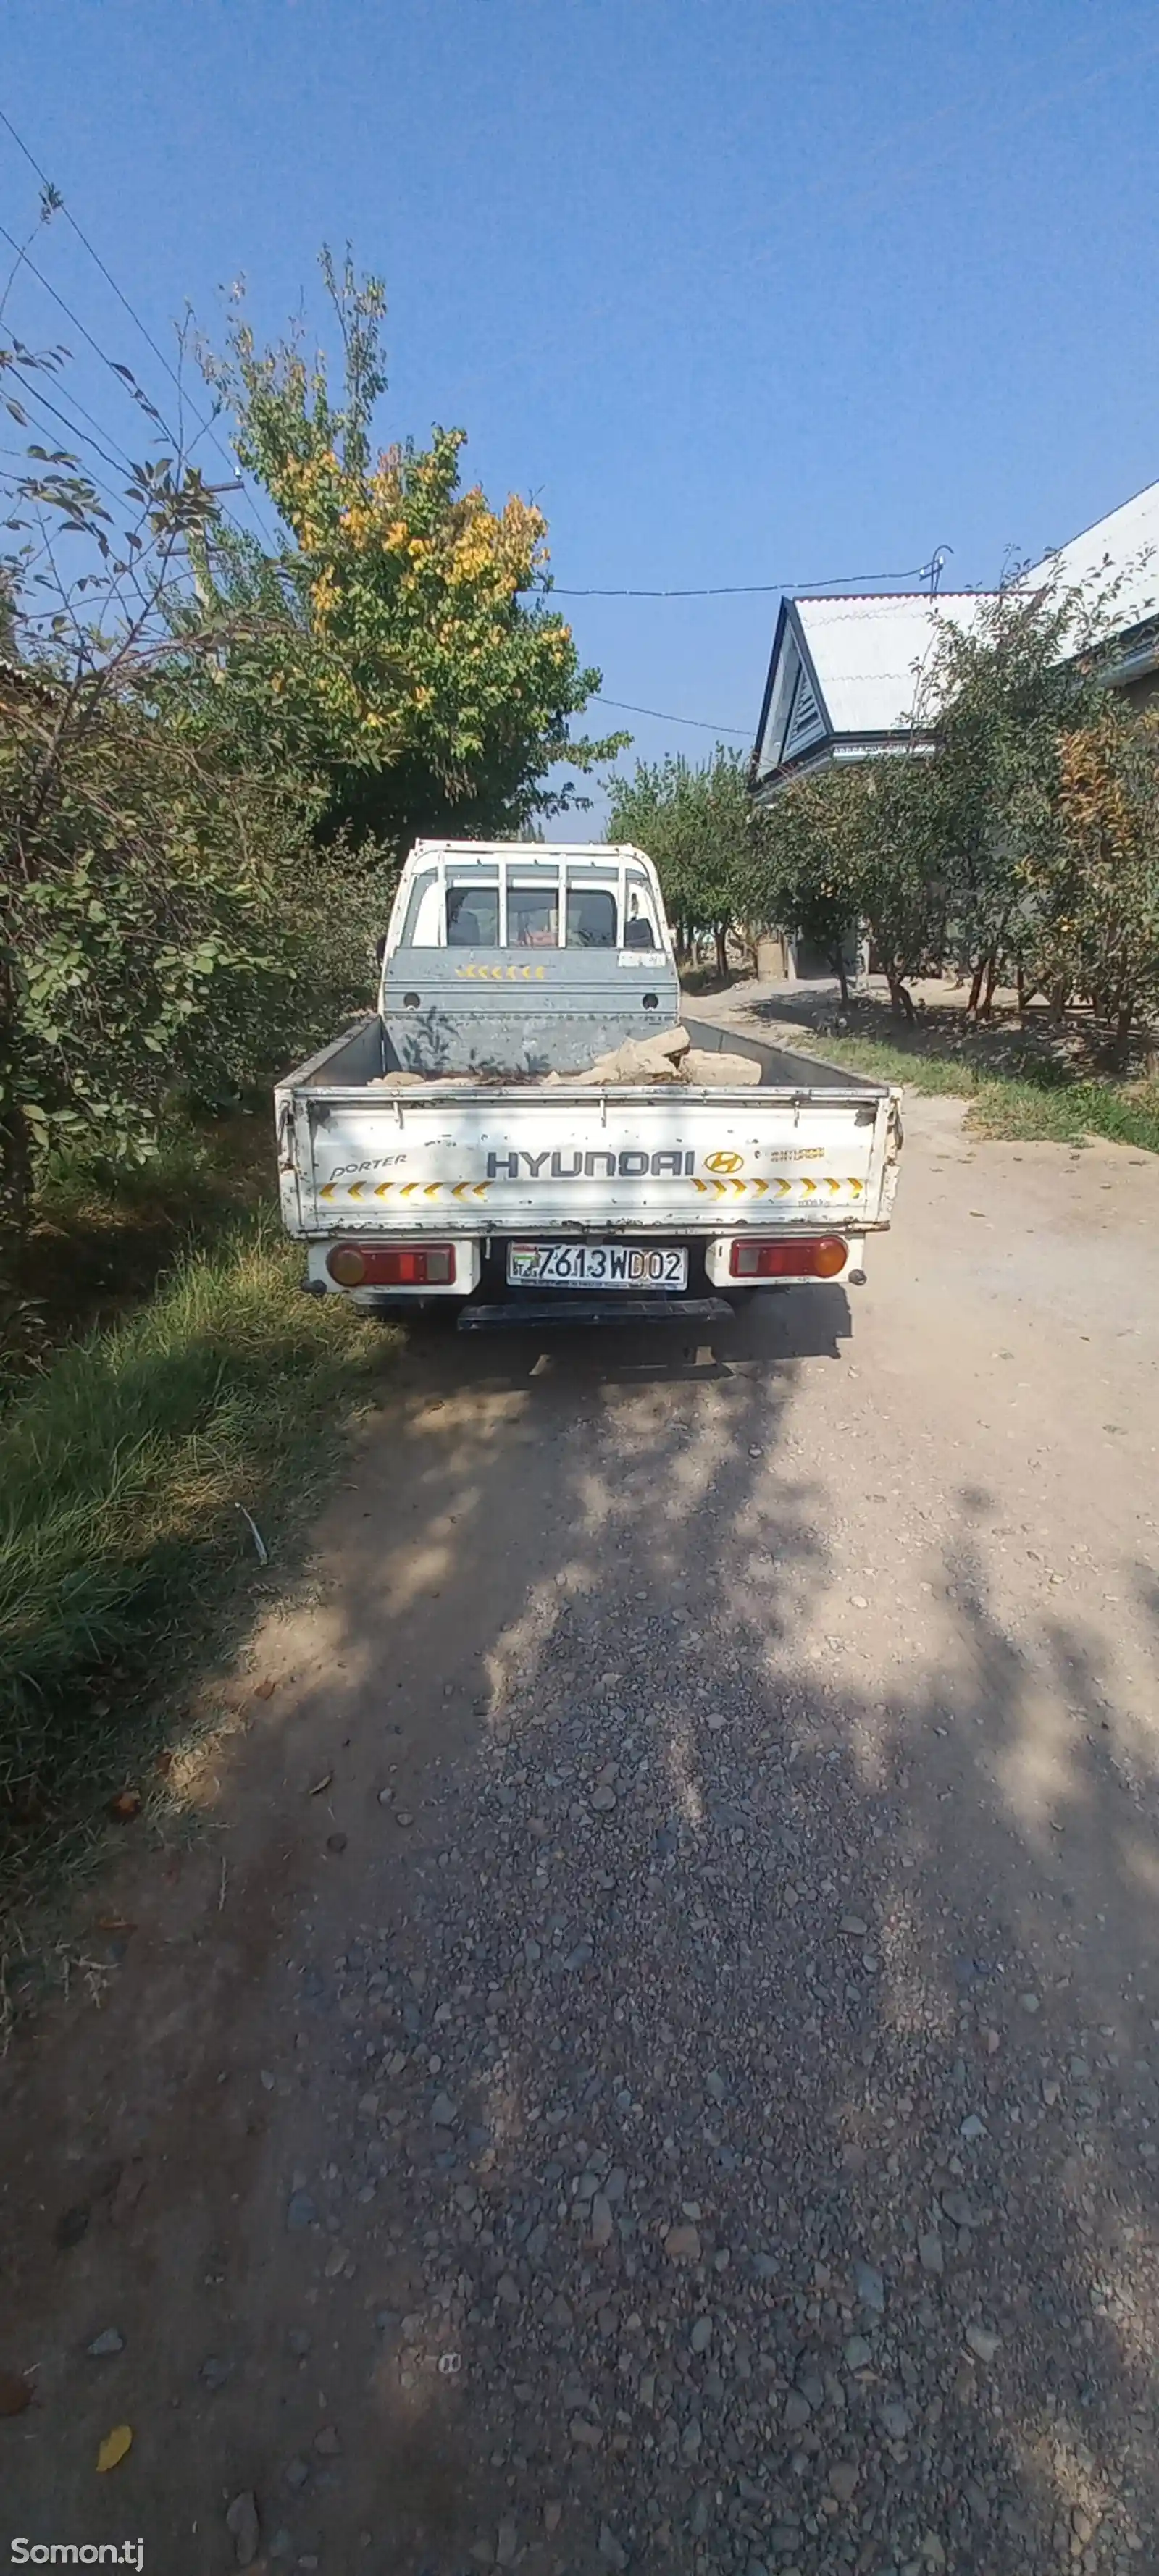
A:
<point x="667" y="1057"/>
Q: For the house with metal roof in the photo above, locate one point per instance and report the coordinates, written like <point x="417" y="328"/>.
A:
<point x="847" y="676"/>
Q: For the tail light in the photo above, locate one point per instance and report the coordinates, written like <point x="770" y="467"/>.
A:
<point x="820" y="1258"/>
<point x="396" y="1265"/>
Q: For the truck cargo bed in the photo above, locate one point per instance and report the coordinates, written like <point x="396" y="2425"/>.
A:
<point x="807" y="1145"/>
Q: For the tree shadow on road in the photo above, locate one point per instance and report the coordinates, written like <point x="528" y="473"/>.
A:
<point x="695" y="1923"/>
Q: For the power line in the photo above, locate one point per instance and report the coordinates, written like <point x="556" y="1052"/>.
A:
<point x="134" y="316"/>
<point x="106" y="273"/>
<point x="626" y="708"/>
<point x="120" y="464"/>
<point x="111" y="363"/>
<point x="751" y="589"/>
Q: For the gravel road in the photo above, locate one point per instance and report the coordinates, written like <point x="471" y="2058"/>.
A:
<point x="650" y="2060"/>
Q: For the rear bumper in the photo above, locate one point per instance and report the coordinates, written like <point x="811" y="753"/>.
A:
<point x="533" y="1313"/>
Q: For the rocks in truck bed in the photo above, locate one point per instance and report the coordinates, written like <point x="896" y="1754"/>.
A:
<point x="650" y="1059"/>
<point x="667" y="1057"/>
<point x="718" y="1072"/>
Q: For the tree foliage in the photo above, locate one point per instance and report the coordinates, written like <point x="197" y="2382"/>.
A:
<point x="209" y="753"/>
<point x="855" y="845"/>
<point x="403" y="639"/>
<point x="1022" y="841"/>
<point x="1092" y="884"/>
<point x="696" y="826"/>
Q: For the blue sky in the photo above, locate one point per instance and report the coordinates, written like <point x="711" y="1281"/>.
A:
<point x="741" y="292"/>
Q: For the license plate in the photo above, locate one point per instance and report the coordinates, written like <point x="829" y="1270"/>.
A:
<point x="595" y="1265"/>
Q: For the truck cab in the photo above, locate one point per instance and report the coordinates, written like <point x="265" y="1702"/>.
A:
<point x="522" y="959"/>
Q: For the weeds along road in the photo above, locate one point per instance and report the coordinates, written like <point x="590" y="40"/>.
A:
<point x="649" y="2059"/>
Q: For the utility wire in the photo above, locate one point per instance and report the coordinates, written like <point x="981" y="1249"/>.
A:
<point x="134" y="316"/>
<point x="699" y="722"/>
<point x="120" y="464"/>
<point x="750" y="589"/>
<point x="95" y="345"/>
<point x="106" y="273"/>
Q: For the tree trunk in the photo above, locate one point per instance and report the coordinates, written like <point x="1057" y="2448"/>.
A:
<point x="976" y="989"/>
<point x="1023" y="995"/>
<point x="721" y="936"/>
<point x="901" y="1001"/>
<point x="839" y="969"/>
<point x="991" y="980"/>
<point x="1123" y="1021"/>
<point x="1058" y="994"/>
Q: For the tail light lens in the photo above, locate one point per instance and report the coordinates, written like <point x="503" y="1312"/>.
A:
<point x="820" y="1258"/>
<point x="396" y="1265"/>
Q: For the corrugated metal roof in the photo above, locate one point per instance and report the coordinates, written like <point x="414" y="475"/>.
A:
<point x="869" y="652"/>
<point x="1120" y="553"/>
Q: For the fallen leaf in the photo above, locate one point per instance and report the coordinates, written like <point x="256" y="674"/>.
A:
<point x="126" y="1805"/>
<point x="115" y="2448"/>
<point x="115" y="1923"/>
<point x="15" y="2393"/>
<point x="265" y="1690"/>
<point x="321" y="1784"/>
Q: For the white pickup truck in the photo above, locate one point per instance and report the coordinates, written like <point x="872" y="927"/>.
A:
<point x="456" y="1148"/>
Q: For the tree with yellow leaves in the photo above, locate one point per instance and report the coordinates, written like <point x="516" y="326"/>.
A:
<point x="1094" y="880"/>
<point x="401" y="647"/>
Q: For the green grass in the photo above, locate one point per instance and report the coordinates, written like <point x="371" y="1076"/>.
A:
<point x="1038" y="1103"/>
<point x="102" y="1238"/>
<point x="123" y="1554"/>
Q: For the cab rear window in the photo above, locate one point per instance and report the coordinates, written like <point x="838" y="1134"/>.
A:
<point x="591" y="915"/>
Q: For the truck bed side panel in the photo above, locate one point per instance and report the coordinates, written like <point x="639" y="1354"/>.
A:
<point x="689" y="1162"/>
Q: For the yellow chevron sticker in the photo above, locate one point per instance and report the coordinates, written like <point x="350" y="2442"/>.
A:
<point x="478" y="1189"/>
